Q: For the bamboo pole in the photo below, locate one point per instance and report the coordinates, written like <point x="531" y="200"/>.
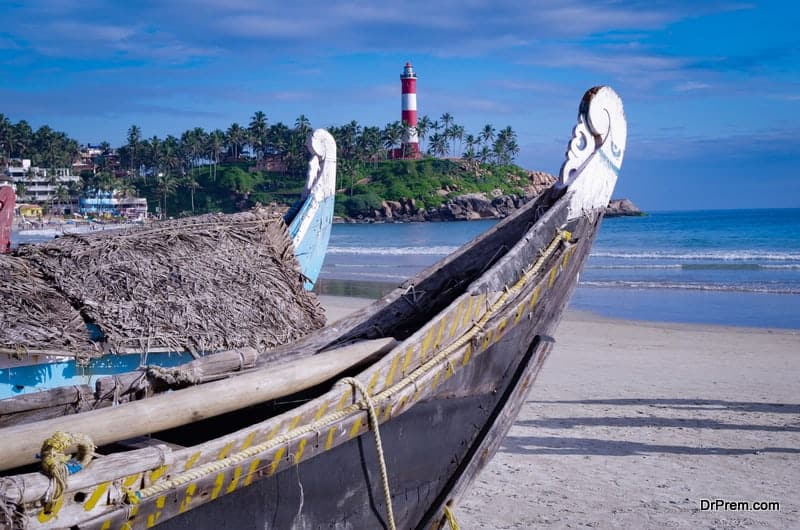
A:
<point x="22" y="442"/>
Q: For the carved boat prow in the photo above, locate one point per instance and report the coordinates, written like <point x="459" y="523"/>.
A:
<point x="311" y="218"/>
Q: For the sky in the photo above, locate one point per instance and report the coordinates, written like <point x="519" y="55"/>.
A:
<point x="711" y="88"/>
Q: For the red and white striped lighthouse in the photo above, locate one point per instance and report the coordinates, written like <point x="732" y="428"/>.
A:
<point x="408" y="80"/>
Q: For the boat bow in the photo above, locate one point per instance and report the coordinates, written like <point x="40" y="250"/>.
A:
<point x="310" y="220"/>
<point x="595" y="152"/>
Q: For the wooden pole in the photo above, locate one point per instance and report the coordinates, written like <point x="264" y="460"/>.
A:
<point x="165" y="411"/>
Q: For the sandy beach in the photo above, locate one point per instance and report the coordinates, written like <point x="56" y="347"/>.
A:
<point x="634" y="424"/>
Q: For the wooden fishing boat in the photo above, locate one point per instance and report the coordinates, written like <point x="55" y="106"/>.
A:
<point x="33" y="367"/>
<point x="437" y="370"/>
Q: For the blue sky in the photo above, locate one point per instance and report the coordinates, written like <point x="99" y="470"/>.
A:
<point x="711" y="89"/>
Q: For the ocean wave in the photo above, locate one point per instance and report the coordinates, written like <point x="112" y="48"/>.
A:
<point x="697" y="267"/>
<point x="394" y="251"/>
<point x="624" y="284"/>
<point x="722" y="255"/>
<point x="633" y="267"/>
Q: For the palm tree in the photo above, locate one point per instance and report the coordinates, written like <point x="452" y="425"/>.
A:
<point x="21" y="139"/>
<point x="438" y="145"/>
<point x="257" y="131"/>
<point x="456" y="133"/>
<point x="392" y="134"/>
<point x="423" y="126"/>
<point x="303" y="125"/>
<point x="191" y="183"/>
<point x="214" y="145"/>
<point x="484" y="154"/>
<point x="447" y="120"/>
<point x="166" y="186"/>
<point x="236" y="138"/>
<point x="134" y="139"/>
<point x="487" y="134"/>
<point x="5" y="137"/>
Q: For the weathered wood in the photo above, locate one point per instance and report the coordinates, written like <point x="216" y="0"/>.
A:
<point x="48" y="398"/>
<point x="34" y="486"/>
<point x="63" y="401"/>
<point x="40" y="406"/>
<point x="131" y="385"/>
<point x="191" y="404"/>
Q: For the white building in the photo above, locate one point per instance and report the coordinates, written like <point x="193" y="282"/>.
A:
<point x="35" y="184"/>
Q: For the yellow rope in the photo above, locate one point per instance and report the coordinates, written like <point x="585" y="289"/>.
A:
<point x="451" y="517"/>
<point x="193" y="475"/>
<point x="57" y="464"/>
<point x="374" y="425"/>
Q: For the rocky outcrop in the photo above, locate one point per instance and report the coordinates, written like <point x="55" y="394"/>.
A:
<point x="470" y="206"/>
<point x="622" y="207"/>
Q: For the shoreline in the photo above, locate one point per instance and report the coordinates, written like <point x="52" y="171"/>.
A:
<point x="633" y="424"/>
<point x="673" y="306"/>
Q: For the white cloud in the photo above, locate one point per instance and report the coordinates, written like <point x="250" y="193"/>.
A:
<point x="690" y="86"/>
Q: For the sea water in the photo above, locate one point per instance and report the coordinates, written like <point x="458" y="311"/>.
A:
<point x="733" y="267"/>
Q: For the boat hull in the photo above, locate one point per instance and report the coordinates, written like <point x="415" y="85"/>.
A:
<point x="433" y="450"/>
<point x="310" y="231"/>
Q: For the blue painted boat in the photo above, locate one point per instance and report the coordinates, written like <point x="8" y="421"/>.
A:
<point x="311" y="217"/>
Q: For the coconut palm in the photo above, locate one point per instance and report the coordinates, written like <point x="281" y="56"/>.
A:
<point x="438" y="145"/>
<point x="166" y="186"/>
<point x="236" y="138"/>
<point x="214" y="146"/>
<point x="134" y="139"/>
<point x="392" y="134"/>
<point x="257" y="131"/>
<point x="423" y="126"/>
<point x="447" y="120"/>
<point x="487" y="134"/>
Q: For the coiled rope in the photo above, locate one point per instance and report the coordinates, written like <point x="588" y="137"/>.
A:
<point x="57" y="464"/>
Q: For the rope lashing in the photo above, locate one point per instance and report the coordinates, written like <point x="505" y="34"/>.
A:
<point x="375" y="426"/>
<point x="58" y="464"/>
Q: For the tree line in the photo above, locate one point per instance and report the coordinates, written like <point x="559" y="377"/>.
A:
<point x="173" y="162"/>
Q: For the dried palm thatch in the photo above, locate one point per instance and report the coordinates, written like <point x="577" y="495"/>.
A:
<point x="35" y="317"/>
<point x="199" y="284"/>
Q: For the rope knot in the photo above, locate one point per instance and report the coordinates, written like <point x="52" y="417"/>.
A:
<point x="57" y="463"/>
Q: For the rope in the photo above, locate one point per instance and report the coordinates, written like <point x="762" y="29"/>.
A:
<point x="374" y="425"/>
<point x="172" y="376"/>
<point x="12" y="491"/>
<point x="57" y="464"/>
<point x="134" y="497"/>
<point x="451" y="517"/>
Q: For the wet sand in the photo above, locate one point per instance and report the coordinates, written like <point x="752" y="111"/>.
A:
<point x="634" y="424"/>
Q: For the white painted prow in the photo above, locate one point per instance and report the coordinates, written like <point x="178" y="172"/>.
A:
<point x="594" y="155"/>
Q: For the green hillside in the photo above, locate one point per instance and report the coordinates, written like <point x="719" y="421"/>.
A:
<point x="430" y="182"/>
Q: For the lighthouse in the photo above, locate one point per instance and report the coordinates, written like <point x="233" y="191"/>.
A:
<point x="408" y="81"/>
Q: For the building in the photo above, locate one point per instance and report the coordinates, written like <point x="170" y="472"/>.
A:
<point x="109" y="204"/>
<point x="38" y="185"/>
<point x="408" y="115"/>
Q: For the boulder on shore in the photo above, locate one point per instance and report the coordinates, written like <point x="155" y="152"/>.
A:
<point x="622" y="207"/>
